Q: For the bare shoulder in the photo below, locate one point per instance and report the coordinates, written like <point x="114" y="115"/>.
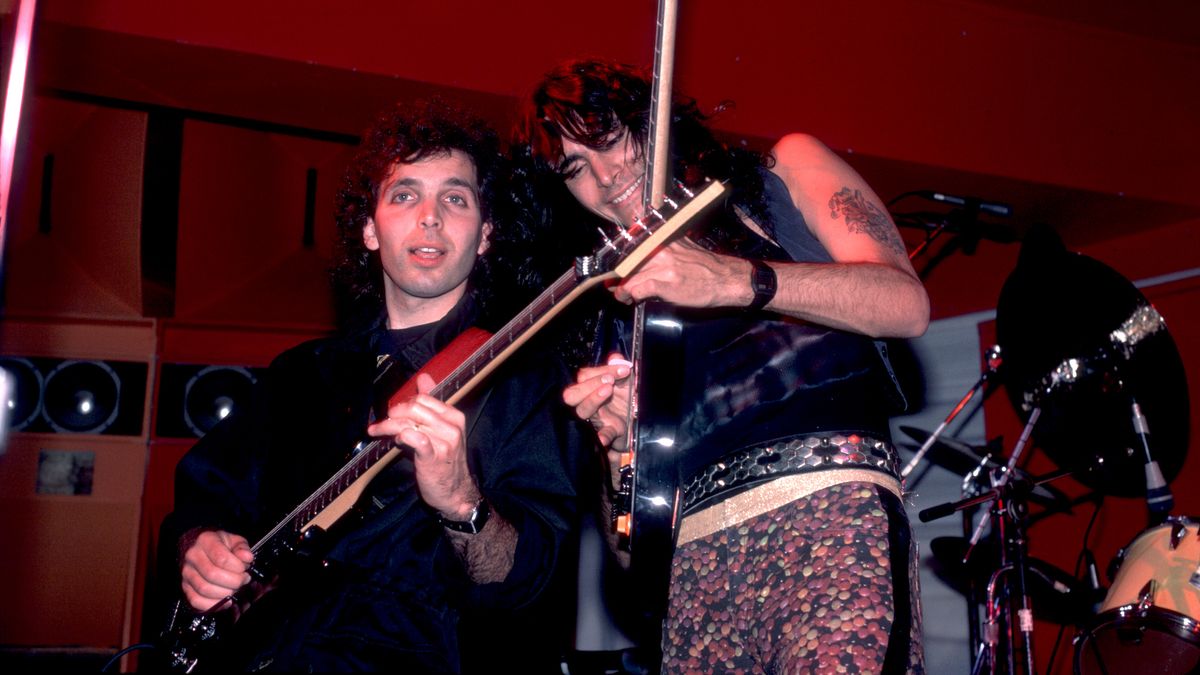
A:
<point x="839" y="206"/>
<point x="799" y="149"/>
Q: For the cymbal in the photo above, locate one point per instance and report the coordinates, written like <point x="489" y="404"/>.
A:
<point x="962" y="459"/>
<point x="1081" y="343"/>
<point x="1056" y="596"/>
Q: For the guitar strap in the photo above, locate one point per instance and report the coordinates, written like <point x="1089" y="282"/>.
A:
<point x="394" y="379"/>
<point x="441" y="365"/>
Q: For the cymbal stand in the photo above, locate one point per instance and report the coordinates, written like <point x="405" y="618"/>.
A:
<point x="1007" y="498"/>
<point x="993" y="364"/>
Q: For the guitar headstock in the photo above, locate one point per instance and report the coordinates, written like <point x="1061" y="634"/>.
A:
<point x="652" y="229"/>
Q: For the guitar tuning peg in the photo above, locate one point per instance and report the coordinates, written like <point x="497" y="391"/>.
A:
<point x="636" y="228"/>
<point x="604" y="236"/>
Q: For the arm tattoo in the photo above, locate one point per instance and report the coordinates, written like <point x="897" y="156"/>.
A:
<point x="864" y="216"/>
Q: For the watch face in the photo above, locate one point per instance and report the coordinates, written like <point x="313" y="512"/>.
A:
<point x="763" y="282"/>
<point x="763" y="279"/>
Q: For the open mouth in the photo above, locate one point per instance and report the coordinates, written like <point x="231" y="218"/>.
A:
<point x="426" y="252"/>
<point x="627" y="192"/>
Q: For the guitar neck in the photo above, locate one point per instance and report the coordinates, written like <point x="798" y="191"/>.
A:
<point x="658" y="158"/>
<point x="512" y="335"/>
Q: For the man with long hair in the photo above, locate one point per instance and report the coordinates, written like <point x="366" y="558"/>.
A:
<point x="794" y="553"/>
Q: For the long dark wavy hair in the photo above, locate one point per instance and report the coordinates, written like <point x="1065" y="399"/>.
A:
<point x="409" y="132"/>
<point x="590" y="102"/>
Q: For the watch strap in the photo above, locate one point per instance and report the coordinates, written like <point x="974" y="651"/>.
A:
<point x="473" y="524"/>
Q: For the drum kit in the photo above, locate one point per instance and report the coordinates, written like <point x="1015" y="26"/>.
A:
<point x="1090" y="368"/>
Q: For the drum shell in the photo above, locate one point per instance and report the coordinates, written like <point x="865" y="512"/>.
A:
<point x="1174" y="570"/>
<point x="1159" y="633"/>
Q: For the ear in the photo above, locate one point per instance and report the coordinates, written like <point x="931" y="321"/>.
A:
<point x="369" y="239"/>
<point x="485" y="239"/>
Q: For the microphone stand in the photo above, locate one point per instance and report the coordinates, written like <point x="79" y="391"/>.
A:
<point x="930" y="235"/>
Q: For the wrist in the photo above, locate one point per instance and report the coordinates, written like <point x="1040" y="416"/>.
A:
<point x="763" y="284"/>
<point x="471" y="522"/>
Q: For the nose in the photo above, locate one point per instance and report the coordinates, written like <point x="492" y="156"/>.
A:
<point x="607" y="171"/>
<point x="430" y="217"/>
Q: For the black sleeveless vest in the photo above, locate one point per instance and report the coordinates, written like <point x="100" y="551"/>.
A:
<point x="752" y="377"/>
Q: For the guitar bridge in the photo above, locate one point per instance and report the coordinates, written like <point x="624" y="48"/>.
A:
<point x="622" y="503"/>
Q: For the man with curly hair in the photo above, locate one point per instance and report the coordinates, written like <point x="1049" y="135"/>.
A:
<point x="475" y="511"/>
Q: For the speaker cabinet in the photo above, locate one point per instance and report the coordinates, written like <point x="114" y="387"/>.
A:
<point x="69" y="520"/>
<point x="71" y="479"/>
<point x="73" y="244"/>
<point x="256" y="227"/>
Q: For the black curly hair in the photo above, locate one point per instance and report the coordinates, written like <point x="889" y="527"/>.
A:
<point x="405" y="133"/>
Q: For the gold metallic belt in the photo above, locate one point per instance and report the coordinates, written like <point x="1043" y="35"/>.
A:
<point x="772" y="495"/>
<point x="792" y="468"/>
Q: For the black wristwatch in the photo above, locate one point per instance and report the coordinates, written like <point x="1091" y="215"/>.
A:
<point x="473" y="524"/>
<point x="764" y="283"/>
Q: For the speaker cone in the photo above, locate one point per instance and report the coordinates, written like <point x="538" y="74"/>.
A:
<point x="213" y="393"/>
<point x="81" y="397"/>
<point x="23" y="399"/>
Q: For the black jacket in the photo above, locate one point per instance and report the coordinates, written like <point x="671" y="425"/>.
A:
<point x="395" y="589"/>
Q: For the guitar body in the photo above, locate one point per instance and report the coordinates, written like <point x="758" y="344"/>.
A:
<point x="220" y="639"/>
<point x="653" y="477"/>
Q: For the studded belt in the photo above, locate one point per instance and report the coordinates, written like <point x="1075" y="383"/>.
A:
<point x="798" y="454"/>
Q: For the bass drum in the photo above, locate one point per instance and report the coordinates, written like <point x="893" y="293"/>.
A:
<point x="1149" y="620"/>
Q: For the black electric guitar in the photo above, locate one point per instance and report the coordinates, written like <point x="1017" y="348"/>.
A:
<point x="191" y="634"/>
<point x="646" y="510"/>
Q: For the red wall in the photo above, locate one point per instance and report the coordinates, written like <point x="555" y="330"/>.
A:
<point x="1079" y="97"/>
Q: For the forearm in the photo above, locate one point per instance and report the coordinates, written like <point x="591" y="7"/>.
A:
<point x="874" y="299"/>
<point x="488" y="554"/>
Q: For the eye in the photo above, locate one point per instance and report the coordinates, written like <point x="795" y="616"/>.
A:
<point x="456" y="199"/>
<point x="612" y="139"/>
<point x="402" y="196"/>
<point x="571" y="171"/>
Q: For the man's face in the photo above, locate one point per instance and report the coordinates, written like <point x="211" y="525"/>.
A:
<point x="608" y="182"/>
<point x="428" y="229"/>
